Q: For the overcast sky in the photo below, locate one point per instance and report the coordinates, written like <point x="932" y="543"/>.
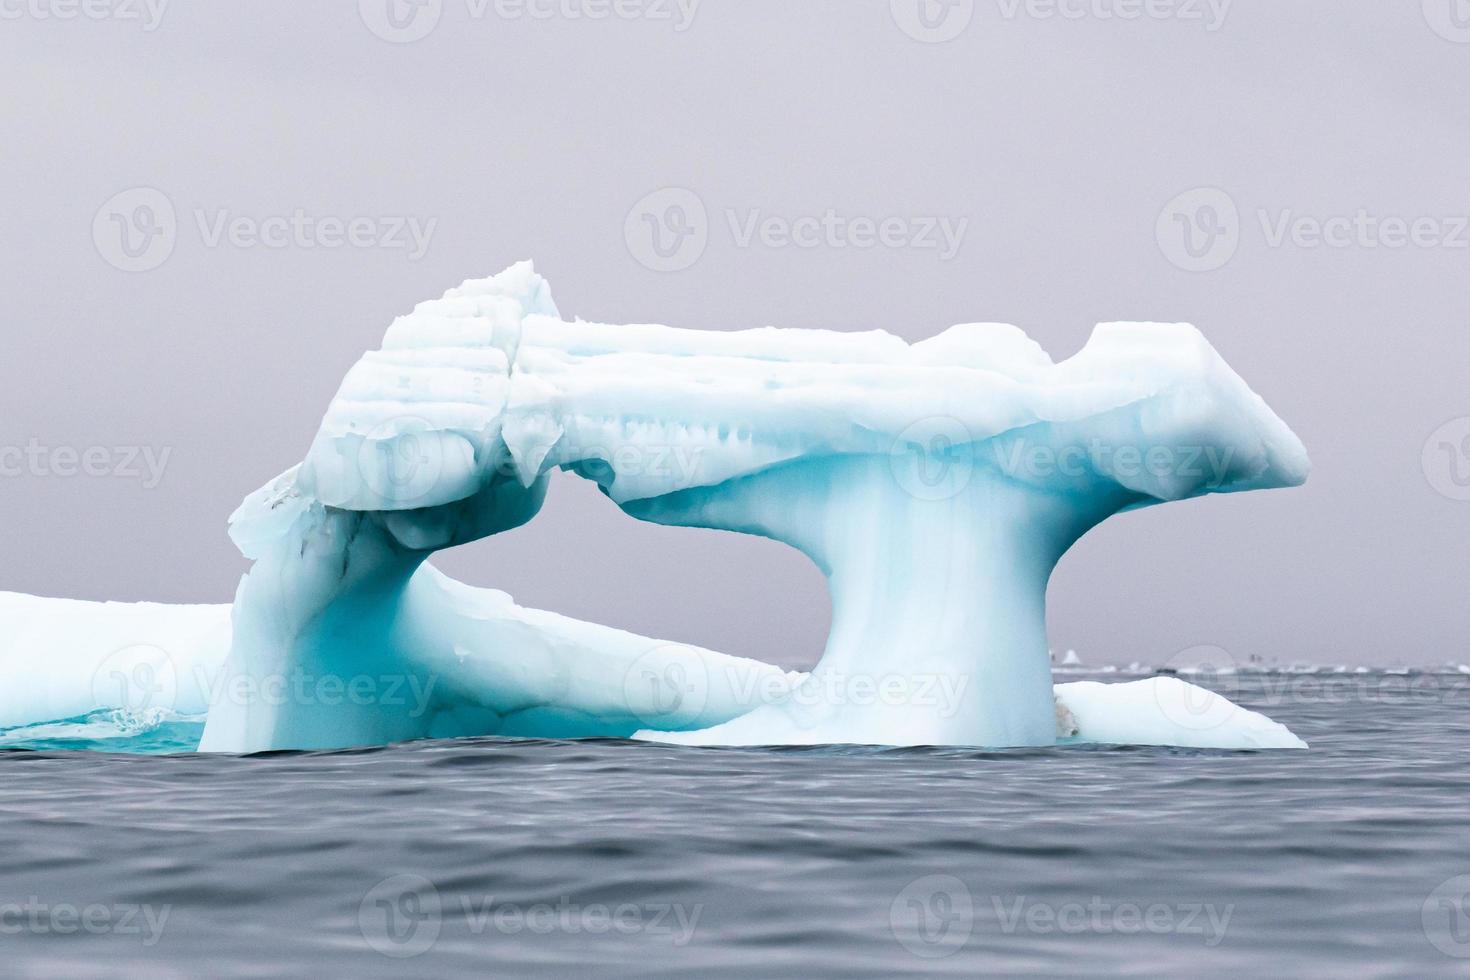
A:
<point x="192" y="347"/>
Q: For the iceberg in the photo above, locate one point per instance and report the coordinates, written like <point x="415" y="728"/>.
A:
<point x="935" y="484"/>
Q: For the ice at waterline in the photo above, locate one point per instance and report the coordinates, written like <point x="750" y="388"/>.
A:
<point x="936" y="485"/>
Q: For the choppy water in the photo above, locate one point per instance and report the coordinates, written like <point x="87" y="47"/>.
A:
<point x="511" y="858"/>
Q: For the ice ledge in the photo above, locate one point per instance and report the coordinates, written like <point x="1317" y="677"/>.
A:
<point x="1163" y="711"/>
<point x="493" y="667"/>
<point x="1167" y="711"/>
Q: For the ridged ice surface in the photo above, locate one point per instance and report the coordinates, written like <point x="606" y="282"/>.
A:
<point x="492" y="363"/>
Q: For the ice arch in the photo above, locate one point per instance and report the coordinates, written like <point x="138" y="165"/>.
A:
<point x="935" y="484"/>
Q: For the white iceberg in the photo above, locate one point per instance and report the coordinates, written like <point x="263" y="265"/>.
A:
<point x="935" y="484"/>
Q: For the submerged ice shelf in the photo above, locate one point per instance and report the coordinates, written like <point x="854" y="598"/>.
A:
<point x="935" y="484"/>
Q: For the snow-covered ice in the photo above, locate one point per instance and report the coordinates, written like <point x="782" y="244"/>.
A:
<point x="1168" y="711"/>
<point x="64" y="658"/>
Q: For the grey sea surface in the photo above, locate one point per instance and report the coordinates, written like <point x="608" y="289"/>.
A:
<point x="496" y="857"/>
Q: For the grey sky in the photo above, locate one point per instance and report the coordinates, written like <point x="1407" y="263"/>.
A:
<point x="504" y="136"/>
